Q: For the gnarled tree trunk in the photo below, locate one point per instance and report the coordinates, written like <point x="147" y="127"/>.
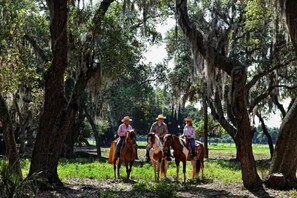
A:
<point x="285" y="159"/>
<point x="205" y="117"/>
<point x="9" y="139"/>
<point x="243" y="137"/>
<point x="54" y="100"/>
<point x="58" y="115"/>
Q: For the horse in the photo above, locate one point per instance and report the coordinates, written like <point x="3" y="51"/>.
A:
<point x="182" y="154"/>
<point x="155" y="148"/>
<point x="127" y="154"/>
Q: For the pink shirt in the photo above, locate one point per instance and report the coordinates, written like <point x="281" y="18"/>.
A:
<point x="123" y="129"/>
<point x="189" y="131"/>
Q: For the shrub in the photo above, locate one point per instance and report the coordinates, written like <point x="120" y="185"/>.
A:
<point x="12" y="186"/>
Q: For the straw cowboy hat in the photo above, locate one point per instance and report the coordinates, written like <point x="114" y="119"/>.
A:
<point x="126" y="118"/>
<point x="188" y="119"/>
<point x="161" y="116"/>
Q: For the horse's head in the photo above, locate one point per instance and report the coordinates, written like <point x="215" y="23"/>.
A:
<point x="130" y="137"/>
<point x="151" y="140"/>
<point x="168" y="141"/>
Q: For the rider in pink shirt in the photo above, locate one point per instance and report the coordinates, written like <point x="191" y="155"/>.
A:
<point x="122" y="132"/>
<point x="189" y="133"/>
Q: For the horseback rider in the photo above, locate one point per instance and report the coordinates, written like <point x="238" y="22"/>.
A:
<point x="189" y="134"/>
<point x="122" y="131"/>
<point x="160" y="129"/>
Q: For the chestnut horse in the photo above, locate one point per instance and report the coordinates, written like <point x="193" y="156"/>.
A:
<point x="155" y="148"/>
<point x="182" y="154"/>
<point x="127" y="154"/>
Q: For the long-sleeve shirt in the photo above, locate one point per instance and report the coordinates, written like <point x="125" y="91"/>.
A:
<point x="189" y="132"/>
<point x="160" y="130"/>
<point x="123" y="128"/>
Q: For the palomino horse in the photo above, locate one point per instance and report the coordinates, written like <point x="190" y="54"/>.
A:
<point x="127" y="154"/>
<point x="156" y="155"/>
<point x="181" y="154"/>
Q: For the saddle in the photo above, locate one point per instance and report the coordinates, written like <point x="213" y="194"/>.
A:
<point x="186" y="143"/>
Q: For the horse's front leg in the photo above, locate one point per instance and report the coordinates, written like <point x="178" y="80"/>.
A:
<point x="158" y="171"/>
<point x="184" y="170"/>
<point x="193" y="169"/>
<point x="115" y="169"/>
<point x="155" y="174"/>
<point x="130" y="168"/>
<point x="127" y="169"/>
<point x="119" y="167"/>
<point x="177" y="169"/>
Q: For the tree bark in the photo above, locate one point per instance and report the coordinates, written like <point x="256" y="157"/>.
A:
<point x="243" y="137"/>
<point x="9" y="139"/>
<point x="54" y="100"/>
<point x="267" y="134"/>
<point x="205" y="116"/>
<point x="95" y="131"/>
<point x="291" y="16"/>
<point x="58" y="115"/>
<point x="285" y="159"/>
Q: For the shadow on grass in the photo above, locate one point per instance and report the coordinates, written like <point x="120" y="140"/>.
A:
<point x="131" y="188"/>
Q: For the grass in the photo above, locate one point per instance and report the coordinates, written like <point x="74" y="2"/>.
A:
<point x="224" y="171"/>
<point x="228" y="150"/>
<point x="219" y="170"/>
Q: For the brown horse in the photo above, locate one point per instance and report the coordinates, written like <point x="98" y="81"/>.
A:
<point x="155" y="148"/>
<point x="127" y="154"/>
<point x="182" y="154"/>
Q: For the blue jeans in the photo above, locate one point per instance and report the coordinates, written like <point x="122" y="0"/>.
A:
<point x="119" y="144"/>
<point x="192" y="143"/>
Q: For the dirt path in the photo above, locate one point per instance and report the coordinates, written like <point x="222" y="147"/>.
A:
<point x="118" y="188"/>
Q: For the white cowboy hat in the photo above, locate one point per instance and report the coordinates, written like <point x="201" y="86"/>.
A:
<point x="161" y="116"/>
<point x="126" y="118"/>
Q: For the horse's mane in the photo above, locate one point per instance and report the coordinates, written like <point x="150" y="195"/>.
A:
<point x="157" y="140"/>
<point x="131" y="134"/>
<point x="179" y="139"/>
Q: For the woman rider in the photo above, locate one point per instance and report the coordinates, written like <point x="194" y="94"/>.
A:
<point x="122" y="131"/>
<point x="189" y="133"/>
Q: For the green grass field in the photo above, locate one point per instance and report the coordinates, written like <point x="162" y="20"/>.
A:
<point x="219" y="167"/>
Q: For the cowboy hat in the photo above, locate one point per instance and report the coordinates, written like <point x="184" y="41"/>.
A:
<point x="126" y="118"/>
<point x="161" y="116"/>
<point x="188" y="119"/>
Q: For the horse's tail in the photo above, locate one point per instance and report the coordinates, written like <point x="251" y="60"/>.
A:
<point x="112" y="152"/>
<point x="163" y="167"/>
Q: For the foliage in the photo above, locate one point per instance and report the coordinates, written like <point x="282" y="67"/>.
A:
<point x="164" y="189"/>
<point x="11" y="186"/>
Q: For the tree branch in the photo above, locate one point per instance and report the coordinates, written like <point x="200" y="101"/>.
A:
<point x="196" y="37"/>
<point x="278" y="105"/>
<point x="219" y="116"/>
<point x="261" y="97"/>
<point x="38" y="50"/>
<point x="261" y="74"/>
